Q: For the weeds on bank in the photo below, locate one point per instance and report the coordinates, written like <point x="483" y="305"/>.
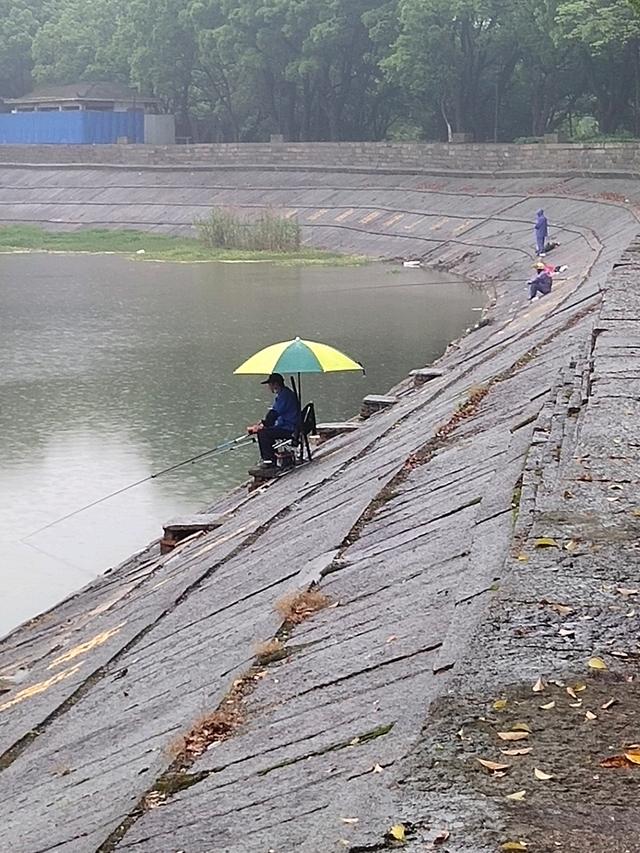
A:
<point x="298" y="606"/>
<point x="270" y="652"/>
<point x="270" y="232"/>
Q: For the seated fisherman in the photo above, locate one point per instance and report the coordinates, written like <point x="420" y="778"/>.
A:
<point x="280" y="421"/>
<point x="541" y="283"/>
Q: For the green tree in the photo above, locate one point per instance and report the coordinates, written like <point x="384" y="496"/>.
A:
<point x="607" y="33"/>
<point x="78" y="42"/>
<point x="453" y="56"/>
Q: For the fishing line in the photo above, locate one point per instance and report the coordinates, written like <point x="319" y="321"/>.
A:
<point x="226" y="445"/>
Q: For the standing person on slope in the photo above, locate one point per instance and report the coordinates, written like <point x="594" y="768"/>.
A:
<point x="542" y="232"/>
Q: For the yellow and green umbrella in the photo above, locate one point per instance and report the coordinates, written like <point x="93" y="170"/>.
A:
<point x="298" y="356"/>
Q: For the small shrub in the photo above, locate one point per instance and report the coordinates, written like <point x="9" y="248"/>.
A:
<point x="298" y="606"/>
<point x="270" y="232"/>
<point x="270" y="652"/>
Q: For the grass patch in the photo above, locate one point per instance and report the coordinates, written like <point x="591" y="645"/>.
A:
<point x="298" y="606"/>
<point x="270" y="652"/>
<point x="270" y="232"/>
<point x="156" y="247"/>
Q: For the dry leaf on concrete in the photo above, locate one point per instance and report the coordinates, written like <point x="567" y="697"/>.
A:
<point x="597" y="663"/>
<point x="517" y="751"/>
<point x="513" y="735"/>
<point x="541" y="775"/>
<point x="492" y="765"/>
<point x="546" y="542"/>
<point x="398" y="832"/>
<point x="517" y="796"/>
<point x="538" y="687"/>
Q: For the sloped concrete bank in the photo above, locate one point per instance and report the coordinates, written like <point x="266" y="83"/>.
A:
<point x="372" y="711"/>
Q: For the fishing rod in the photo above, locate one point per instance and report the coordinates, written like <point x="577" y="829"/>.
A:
<point x="478" y="284"/>
<point x="220" y="448"/>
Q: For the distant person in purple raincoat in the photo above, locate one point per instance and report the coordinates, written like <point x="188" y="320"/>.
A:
<point x="542" y="232"/>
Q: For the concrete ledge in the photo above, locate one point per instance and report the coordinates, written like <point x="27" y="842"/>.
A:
<point x="373" y="403"/>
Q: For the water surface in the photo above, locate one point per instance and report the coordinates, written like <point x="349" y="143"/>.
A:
<point x="113" y="369"/>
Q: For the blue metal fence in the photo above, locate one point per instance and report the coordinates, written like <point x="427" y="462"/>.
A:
<point x="88" y="127"/>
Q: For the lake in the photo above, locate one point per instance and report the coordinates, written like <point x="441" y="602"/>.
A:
<point x="112" y="369"/>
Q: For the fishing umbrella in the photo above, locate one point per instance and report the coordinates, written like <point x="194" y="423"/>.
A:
<point x="298" y="356"/>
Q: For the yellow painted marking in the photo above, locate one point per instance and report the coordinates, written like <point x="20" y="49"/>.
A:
<point x="438" y="225"/>
<point x="344" y="215"/>
<point x="370" y="217"/>
<point x="85" y="647"/>
<point x="462" y="227"/>
<point x="317" y="214"/>
<point x="40" y="687"/>
<point x="392" y="221"/>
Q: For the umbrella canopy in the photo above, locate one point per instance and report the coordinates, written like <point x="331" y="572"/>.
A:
<point x="298" y="356"/>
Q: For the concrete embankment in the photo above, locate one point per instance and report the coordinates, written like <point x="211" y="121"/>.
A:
<point x="477" y="536"/>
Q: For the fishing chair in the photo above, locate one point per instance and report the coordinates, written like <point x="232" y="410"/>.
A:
<point x="300" y="438"/>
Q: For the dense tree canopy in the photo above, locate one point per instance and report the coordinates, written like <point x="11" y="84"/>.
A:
<point x="344" y="69"/>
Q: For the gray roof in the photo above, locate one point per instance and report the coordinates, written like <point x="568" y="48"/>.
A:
<point x="100" y="91"/>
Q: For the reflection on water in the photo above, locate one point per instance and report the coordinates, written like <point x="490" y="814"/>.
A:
<point x="113" y="369"/>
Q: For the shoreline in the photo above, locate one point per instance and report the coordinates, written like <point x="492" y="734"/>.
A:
<point x="142" y="246"/>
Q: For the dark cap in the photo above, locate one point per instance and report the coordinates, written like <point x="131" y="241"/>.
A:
<point x="274" y="379"/>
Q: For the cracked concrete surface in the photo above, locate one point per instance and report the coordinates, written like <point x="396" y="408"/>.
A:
<point x="416" y="527"/>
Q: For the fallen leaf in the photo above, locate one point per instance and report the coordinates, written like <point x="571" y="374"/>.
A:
<point x="492" y="765"/>
<point x="350" y="819"/>
<point x="608" y="704"/>
<point x="391" y="638"/>
<point x="398" y="832"/>
<point x="579" y="687"/>
<point x="538" y="687"/>
<point x="631" y="613"/>
<point x="614" y="761"/>
<point x="567" y="632"/>
<point x="633" y="756"/>
<point x="548" y="706"/>
<point x="513" y="735"/>
<point x="354" y="742"/>
<point x="577" y="704"/>
<point x="513" y="846"/>
<point x="590" y="716"/>
<point x="521" y="751"/>
<point x="523" y="558"/>
<point x="597" y="663"/>
<point x="499" y="705"/>
<point x="560" y="609"/>
<point x="540" y="774"/>
<point x="376" y="768"/>
<point x="626" y="592"/>
<point x="619" y="654"/>
<point x="520" y="727"/>
<point x="571" y="545"/>
<point x="517" y="796"/>
<point x="546" y="542"/>
<point x="616" y="487"/>
<point x="441" y="837"/>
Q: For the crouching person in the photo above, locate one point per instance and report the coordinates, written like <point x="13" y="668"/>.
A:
<point x="541" y="283"/>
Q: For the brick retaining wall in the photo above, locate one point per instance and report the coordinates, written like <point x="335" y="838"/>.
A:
<point x="552" y="158"/>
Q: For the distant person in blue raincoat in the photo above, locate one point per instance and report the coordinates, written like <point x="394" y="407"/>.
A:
<point x="542" y="232"/>
<point x="541" y="283"/>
